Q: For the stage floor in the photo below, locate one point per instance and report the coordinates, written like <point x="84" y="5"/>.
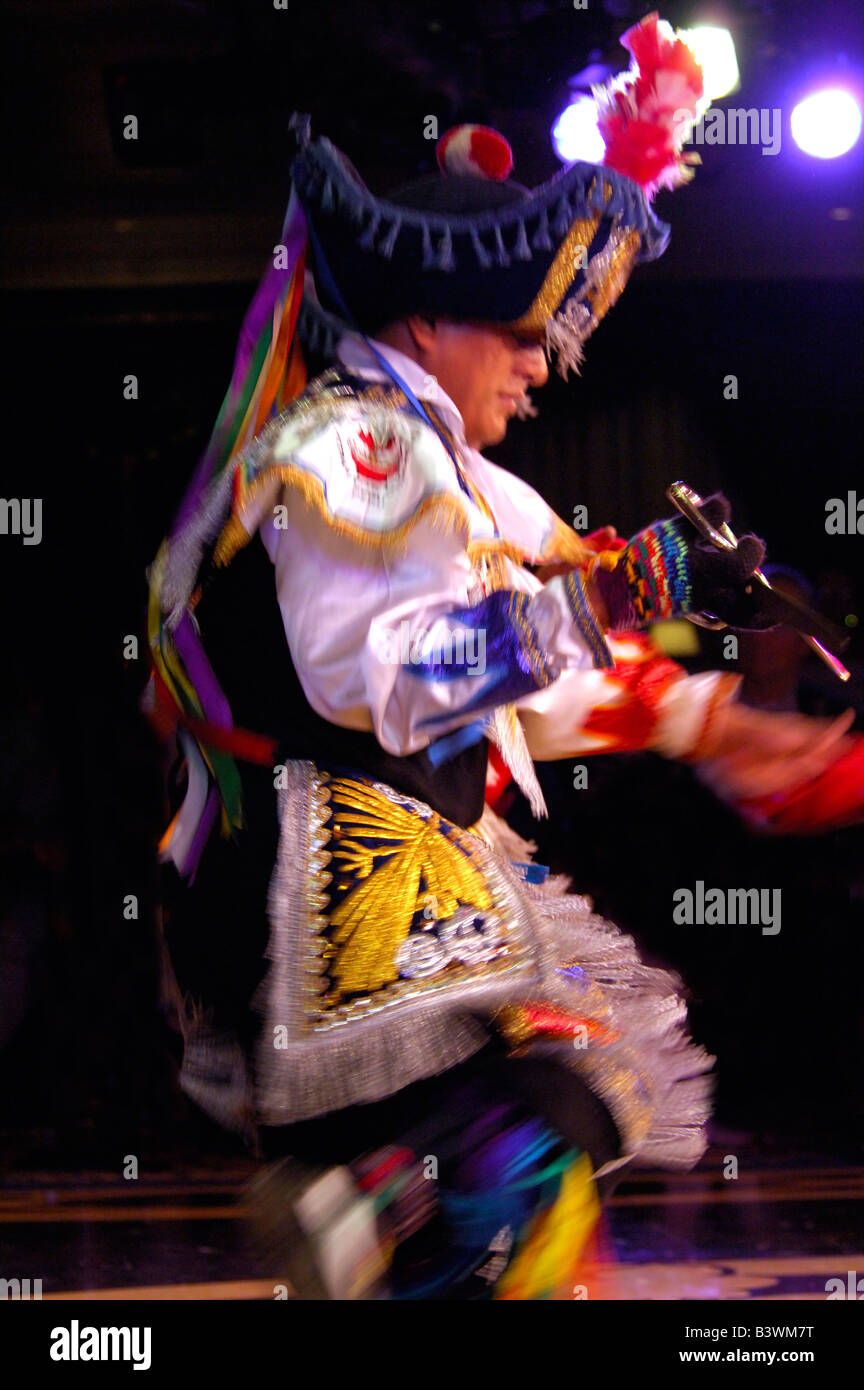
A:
<point x="780" y="1231"/>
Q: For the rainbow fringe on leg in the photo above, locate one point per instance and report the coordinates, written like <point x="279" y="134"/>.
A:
<point x="518" y="1217"/>
<point x="513" y="1215"/>
<point x="550" y="1257"/>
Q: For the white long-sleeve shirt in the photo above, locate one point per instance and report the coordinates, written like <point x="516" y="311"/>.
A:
<point x="406" y="601"/>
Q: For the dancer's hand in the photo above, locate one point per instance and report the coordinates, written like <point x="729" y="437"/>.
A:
<point x="669" y="571"/>
<point x="605" y="538"/>
<point x="752" y="753"/>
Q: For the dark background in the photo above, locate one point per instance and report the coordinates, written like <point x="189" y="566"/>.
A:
<point x="140" y="257"/>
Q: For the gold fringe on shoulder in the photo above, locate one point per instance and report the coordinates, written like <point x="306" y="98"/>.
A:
<point x="445" y="511"/>
<point x="566" y="546"/>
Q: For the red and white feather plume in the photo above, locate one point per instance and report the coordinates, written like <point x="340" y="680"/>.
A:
<point x="646" y="115"/>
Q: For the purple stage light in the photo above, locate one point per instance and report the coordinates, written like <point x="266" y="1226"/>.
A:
<point x="575" y="134"/>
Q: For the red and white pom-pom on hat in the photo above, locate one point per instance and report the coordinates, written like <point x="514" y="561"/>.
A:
<point x="474" y="151"/>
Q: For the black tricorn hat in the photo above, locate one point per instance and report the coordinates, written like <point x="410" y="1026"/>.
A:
<point x="464" y="244"/>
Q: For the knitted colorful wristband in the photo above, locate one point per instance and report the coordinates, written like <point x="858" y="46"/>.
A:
<point x="657" y="570"/>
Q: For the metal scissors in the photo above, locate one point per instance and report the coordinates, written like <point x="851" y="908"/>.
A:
<point x="787" y="610"/>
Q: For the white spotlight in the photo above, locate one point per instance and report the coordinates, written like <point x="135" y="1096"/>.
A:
<point x="715" y="50"/>
<point x="827" y="123"/>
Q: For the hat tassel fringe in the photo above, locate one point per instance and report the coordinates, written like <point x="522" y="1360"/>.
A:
<point x="388" y="244"/>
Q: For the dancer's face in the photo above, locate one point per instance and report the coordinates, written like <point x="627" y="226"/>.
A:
<point x="486" y="372"/>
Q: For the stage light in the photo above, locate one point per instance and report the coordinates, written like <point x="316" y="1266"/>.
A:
<point x="827" y="123"/>
<point x="715" y="50"/>
<point x="575" y="132"/>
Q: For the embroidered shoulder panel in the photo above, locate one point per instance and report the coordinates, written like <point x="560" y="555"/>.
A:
<point x="359" y="455"/>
